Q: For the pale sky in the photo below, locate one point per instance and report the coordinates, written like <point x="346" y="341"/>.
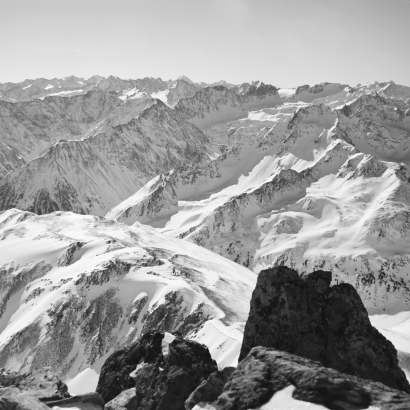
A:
<point x="282" y="42"/>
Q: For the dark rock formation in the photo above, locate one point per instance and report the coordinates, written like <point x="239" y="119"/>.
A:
<point x="266" y="371"/>
<point x="115" y="373"/>
<point x="166" y="374"/>
<point x="209" y="390"/>
<point x="307" y="317"/>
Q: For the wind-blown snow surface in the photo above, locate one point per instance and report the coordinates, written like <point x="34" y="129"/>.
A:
<point x="396" y="328"/>
<point x="303" y="185"/>
<point x="75" y="288"/>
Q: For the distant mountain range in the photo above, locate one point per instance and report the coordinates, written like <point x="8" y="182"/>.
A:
<point x="121" y="200"/>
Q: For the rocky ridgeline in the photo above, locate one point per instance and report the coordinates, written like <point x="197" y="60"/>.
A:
<point x="303" y="338"/>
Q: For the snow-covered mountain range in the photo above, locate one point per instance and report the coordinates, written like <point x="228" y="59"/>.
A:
<point x="177" y="181"/>
<point x="75" y="288"/>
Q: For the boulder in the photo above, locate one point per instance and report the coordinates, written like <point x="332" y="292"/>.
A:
<point x="166" y="369"/>
<point x="209" y="390"/>
<point x="309" y="318"/>
<point x="126" y="400"/>
<point x="265" y="372"/>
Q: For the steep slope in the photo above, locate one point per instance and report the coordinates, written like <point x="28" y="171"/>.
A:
<point x="94" y="174"/>
<point x="29" y="128"/>
<point x="85" y="286"/>
<point x="9" y="160"/>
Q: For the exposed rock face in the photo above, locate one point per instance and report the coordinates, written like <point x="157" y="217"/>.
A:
<point x="267" y="371"/>
<point x="209" y="390"/>
<point x="307" y="317"/>
<point x="166" y="369"/>
<point x="115" y="373"/>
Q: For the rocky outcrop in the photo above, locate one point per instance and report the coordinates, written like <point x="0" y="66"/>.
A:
<point x="209" y="390"/>
<point x="166" y="369"/>
<point x="309" y="318"/>
<point x="115" y="373"/>
<point x="265" y="372"/>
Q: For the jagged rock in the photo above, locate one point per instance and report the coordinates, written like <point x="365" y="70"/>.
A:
<point x="166" y="369"/>
<point x="126" y="400"/>
<point x="307" y="317"/>
<point x="266" y="371"/>
<point x="209" y="390"/>
<point x="115" y="373"/>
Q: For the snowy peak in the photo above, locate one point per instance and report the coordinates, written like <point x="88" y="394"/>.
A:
<point x="155" y="202"/>
<point x="185" y="79"/>
<point x="177" y="90"/>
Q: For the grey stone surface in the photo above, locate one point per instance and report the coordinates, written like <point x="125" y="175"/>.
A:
<point x="266" y="371"/>
<point x="209" y="390"/>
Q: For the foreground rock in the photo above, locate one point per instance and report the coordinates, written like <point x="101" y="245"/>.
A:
<point x="307" y="317"/>
<point x="166" y="369"/>
<point x="92" y="401"/>
<point x="265" y="372"/>
<point x="209" y="390"/>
